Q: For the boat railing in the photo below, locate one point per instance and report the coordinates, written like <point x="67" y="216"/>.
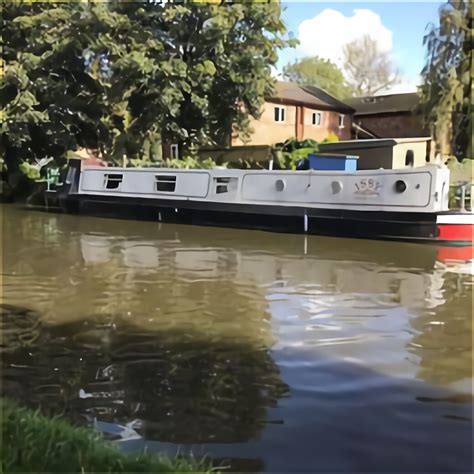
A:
<point x="461" y="196"/>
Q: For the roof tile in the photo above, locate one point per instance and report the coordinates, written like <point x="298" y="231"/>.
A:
<point x="308" y="95"/>
<point x="384" y="104"/>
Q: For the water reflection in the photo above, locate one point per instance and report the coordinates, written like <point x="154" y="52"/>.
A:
<point x="185" y="335"/>
<point x="175" y="386"/>
<point x="443" y="337"/>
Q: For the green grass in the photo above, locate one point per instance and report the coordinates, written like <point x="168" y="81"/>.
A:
<point x="31" y="442"/>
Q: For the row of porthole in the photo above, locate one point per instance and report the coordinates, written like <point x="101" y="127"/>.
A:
<point x="400" y="186"/>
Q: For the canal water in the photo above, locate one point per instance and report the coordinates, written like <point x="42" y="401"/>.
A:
<point x="268" y="352"/>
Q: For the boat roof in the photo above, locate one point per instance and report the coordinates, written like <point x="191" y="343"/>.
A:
<point x="371" y="143"/>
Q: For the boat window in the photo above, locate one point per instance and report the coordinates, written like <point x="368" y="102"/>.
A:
<point x="225" y="184"/>
<point x="165" y="183"/>
<point x="113" y="181"/>
<point x="410" y="158"/>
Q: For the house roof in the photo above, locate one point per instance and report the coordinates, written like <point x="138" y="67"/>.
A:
<point x="363" y="131"/>
<point x="384" y="104"/>
<point x="290" y="92"/>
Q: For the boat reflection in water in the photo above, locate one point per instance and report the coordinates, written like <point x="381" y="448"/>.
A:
<point x="288" y="352"/>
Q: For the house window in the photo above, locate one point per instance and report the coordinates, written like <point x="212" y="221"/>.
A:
<point x="113" y="181"/>
<point x="174" y="151"/>
<point x="165" y="183"/>
<point x="317" y="119"/>
<point x="279" y="114"/>
<point x="341" y="121"/>
<point x="410" y="158"/>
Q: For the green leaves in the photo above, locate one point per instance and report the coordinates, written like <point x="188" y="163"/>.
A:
<point x="15" y="75"/>
<point x="447" y="79"/>
<point x="315" y="71"/>
<point x="116" y="75"/>
<point x="137" y="61"/>
<point x="369" y="69"/>
<point x="287" y="154"/>
<point x="207" y="68"/>
<point x="173" y="67"/>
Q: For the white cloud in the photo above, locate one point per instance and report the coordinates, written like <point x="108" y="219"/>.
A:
<point x="406" y="85"/>
<point x="326" y="34"/>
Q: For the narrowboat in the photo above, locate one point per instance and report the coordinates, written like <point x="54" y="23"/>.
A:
<point x="409" y="204"/>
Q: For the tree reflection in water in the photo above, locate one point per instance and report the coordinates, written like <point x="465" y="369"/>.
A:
<point x="190" y="335"/>
<point x="443" y="339"/>
<point x="188" y="389"/>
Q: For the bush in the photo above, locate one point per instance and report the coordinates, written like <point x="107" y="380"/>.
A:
<point x="189" y="162"/>
<point x="461" y="171"/>
<point x="331" y="138"/>
<point x="34" y="443"/>
<point x="30" y="171"/>
<point x="286" y="155"/>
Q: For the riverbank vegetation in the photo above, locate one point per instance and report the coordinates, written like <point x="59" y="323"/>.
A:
<point x="125" y="77"/>
<point x="31" y="442"/>
<point x="447" y="89"/>
<point x="461" y="171"/>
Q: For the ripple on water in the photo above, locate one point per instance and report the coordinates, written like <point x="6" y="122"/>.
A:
<point x="239" y="344"/>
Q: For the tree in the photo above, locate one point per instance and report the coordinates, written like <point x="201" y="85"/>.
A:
<point x="239" y="41"/>
<point x="72" y="79"/>
<point x="120" y="75"/>
<point x="368" y="69"/>
<point x="447" y="90"/>
<point x="322" y="73"/>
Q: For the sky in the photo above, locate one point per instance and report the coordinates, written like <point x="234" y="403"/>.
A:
<point x="398" y="27"/>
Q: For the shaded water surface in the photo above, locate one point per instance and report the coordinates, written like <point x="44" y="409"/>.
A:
<point x="275" y="352"/>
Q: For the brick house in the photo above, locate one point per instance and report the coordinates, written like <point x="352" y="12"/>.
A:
<point x="387" y="116"/>
<point x="300" y="112"/>
<point x="294" y="111"/>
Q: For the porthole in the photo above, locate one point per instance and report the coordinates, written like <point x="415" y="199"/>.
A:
<point x="400" y="186"/>
<point x="280" y="185"/>
<point x="336" y="187"/>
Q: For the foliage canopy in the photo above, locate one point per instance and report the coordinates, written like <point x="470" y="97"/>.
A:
<point x="319" y="72"/>
<point x="121" y="76"/>
<point x="369" y="70"/>
<point x="447" y="90"/>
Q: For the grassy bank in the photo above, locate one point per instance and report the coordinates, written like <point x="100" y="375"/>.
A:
<point x="33" y="443"/>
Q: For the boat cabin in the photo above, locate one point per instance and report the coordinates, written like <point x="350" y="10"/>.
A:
<point x="410" y="204"/>
<point x="386" y="153"/>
